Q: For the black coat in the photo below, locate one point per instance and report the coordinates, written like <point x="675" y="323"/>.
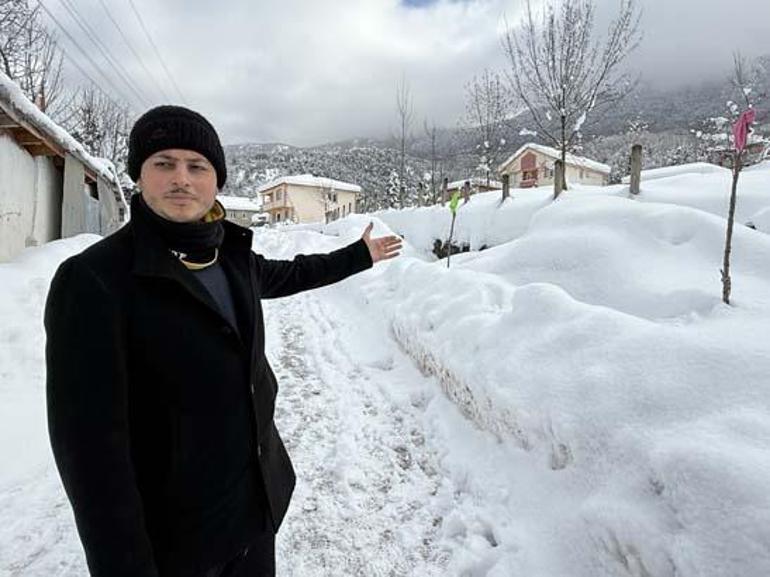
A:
<point x="160" y="414"/>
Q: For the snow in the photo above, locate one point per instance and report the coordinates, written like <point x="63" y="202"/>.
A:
<point x="691" y="168"/>
<point x="579" y="122"/>
<point x="310" y="180"/>
<point x="237" y="203"/>
<point x="575" y="400"/>
<point x="556" y="155"/>
<point x="20" y="105"/>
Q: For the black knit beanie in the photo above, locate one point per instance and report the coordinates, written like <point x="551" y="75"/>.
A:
<point x="167" y="127"/>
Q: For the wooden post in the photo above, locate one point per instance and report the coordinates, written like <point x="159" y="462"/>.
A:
<point x="445" y="190"/>
<point x="420" y="192"/>
<point x="558" y="178"/>
<point x="636" y="168"/>
<point x="466" y="191"/>
<point x="506" y="186"/>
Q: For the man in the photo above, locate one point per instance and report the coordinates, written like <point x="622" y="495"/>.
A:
<point x="160" y="398"/>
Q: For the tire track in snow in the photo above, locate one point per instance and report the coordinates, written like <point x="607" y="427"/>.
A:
<point x="368" y="495"/>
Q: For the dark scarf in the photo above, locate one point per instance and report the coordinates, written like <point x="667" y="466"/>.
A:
<point x="193" y="243"/>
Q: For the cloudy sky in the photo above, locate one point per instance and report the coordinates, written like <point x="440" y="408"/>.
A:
<point x="315" y="71"/>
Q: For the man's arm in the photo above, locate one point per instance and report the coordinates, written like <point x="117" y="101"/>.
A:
<point x="280" y="278"/>
<point x="88" y="422"/>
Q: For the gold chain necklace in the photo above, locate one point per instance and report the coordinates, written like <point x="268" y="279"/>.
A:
<point x="196" y="265"/>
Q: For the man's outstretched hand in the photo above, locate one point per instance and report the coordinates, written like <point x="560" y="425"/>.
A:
<point x="381" y="248"/>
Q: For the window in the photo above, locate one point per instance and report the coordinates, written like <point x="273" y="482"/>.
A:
<point x="350" y="207"/>
<point x="278" y="194"/>
<point x="277" y="217"/>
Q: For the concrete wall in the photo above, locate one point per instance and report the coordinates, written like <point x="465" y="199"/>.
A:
<point x="74" y="205"/>
<point x="307" y="202"/>
<point x="30" y="199"/>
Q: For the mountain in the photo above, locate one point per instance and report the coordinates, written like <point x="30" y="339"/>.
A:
<point x="664" y="121"/>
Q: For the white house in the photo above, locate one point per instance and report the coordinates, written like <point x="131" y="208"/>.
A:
<point x="306" y="198"/>
<point x="240" y="209"/>
<point x="50" y="187"/>
<point x="533" y="165"/>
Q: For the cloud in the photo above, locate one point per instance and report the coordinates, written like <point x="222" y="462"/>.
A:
<point x="314" y="71"/>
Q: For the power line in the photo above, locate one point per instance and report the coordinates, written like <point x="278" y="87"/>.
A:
<point x="108" y="56"/>
<point x="83" y="52"/>
<point x="157" y="52"/>
<point x="133" y="51"/>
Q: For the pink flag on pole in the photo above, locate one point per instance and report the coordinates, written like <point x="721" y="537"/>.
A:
<point x="741" y="129"/>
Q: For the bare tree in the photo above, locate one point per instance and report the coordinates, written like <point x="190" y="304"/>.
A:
<point x="101" y="124"/>
<point x="488" y="106"/>
<point x="561" y="73"/>
<point x="30" y="56"/>
<point x="405" y="112"/>
<point x="431" y="134"/>
<point x="742" y="84"/>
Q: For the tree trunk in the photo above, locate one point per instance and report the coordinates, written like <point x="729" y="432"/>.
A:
<point x="558" y="178"/>
<point x="444" y="190"/>
<point x="506" y="186"/>
<point x="636" y="168"/>
<point x="726" y="281"/>
<point x="563" y="156"/>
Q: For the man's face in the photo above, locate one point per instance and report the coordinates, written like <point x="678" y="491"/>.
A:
<point x="179" y="185"/>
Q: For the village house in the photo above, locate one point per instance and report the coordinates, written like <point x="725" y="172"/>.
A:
<point x="533" y="165"/>
<point x="50" y="187"/>
<point x="306" y="198"/>
<point x="757" y="149"/>
<point x="475" y="185"/>
<point x="240" y="210"/>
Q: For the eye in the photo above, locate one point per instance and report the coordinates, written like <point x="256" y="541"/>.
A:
<point x="197" y="167"/>
<point x="162" y="164"/>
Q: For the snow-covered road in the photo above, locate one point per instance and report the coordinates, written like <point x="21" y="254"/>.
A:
<point x="367" y="500"/>
<point x="367" y="433"/>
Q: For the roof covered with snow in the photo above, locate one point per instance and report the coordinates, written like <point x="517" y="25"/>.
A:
<point x="310" y="180"/>
<point x="237" y="203"/>
<point x="15" y="104"/>
<point x="579" y="161"/>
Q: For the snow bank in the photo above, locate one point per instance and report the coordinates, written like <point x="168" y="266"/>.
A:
<point x="23" y="427"/>
<point x="691" y="168"/>
<point x="595" y="343"/>
<point x="485" y="222"/>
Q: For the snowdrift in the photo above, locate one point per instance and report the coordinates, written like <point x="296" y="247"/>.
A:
<point x="596" y="342"/>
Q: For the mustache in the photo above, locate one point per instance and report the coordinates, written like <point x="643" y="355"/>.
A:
<point x="179" y="191"/>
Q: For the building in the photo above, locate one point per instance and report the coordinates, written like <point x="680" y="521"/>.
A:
<point x="240" y="209"/>
<point x="757" y="149"/>
<point x="50" y="187"/>
<point x="533" y="165"/>
<point x="475" y="185"/>
<point x="306" y="198"/>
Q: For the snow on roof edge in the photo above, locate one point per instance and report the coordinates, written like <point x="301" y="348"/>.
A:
<point x="310" y="180"/>
<point x="22" y="109"/>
